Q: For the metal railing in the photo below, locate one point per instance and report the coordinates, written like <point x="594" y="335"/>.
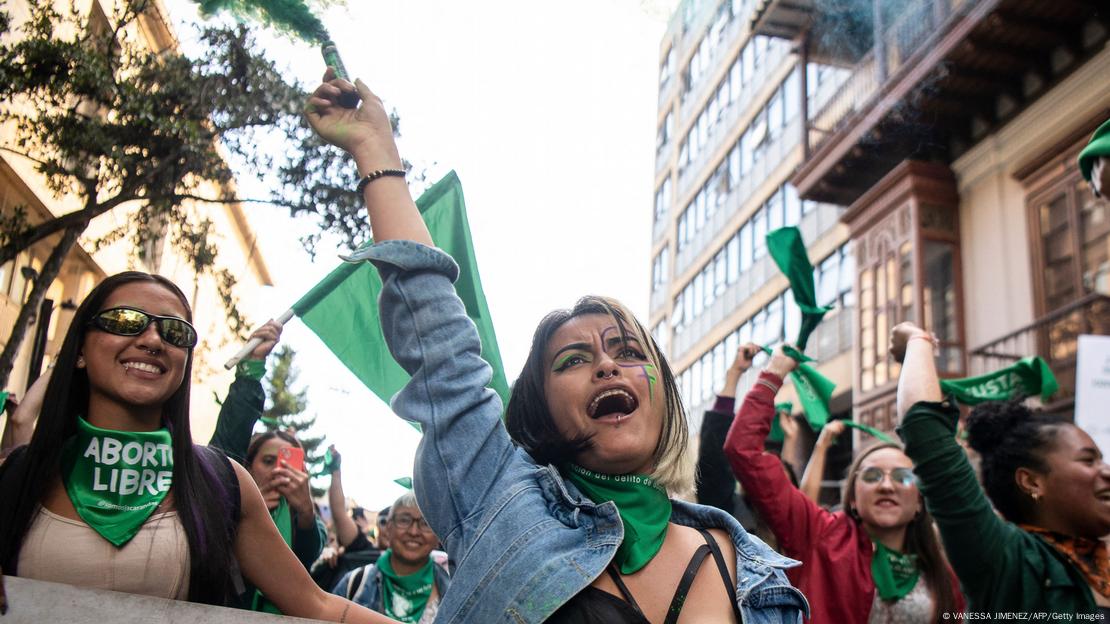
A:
<point x="909" y="33"/>
<point x="1054" y="337"/>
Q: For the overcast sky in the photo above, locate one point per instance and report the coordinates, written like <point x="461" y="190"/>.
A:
<point x="547" y="112"/>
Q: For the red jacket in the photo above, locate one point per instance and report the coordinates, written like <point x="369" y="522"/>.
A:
<point x="834" y="549"/>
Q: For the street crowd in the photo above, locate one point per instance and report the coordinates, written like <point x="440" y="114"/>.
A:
<point x="570" y="503"/>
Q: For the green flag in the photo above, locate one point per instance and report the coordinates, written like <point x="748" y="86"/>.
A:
<point x="789" y="253"/>
<point x="405" y="482"/>
<point x="343" y="308"/>
<point x="1029" y="376"/>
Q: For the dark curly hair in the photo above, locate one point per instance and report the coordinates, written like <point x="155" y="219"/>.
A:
<point x="1008" y="435"/>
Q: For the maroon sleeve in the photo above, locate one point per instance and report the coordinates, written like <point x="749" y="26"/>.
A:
<point x="795" y="520"/>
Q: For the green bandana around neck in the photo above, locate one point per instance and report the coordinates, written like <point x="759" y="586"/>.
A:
<point x="404" y="597"/>
<point x="1029" y="376"/>
<point x="895" y="573"/>
<point x="642" y="504"/>
<point x="116" y="479"/>
<point x="283" y="520"/>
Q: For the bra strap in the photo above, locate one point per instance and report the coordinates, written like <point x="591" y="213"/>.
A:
<point x="684" y="585"/>
<point x="723" y="569"/>
<point x="613" y="574"/>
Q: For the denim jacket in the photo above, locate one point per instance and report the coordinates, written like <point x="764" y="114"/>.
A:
<point x="523" y="539"/>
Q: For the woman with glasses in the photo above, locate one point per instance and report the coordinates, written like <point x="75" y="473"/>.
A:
<point x="563" y="511"/>
<point x="879" y="560"/>
<point x="111" y="493"/>
<point x="1046" y="478"/>
<point x="405" y="583"/>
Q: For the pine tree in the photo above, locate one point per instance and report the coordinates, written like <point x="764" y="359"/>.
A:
<point x="285" y="411"/>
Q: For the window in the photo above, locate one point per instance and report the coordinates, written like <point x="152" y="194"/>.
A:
<point x="659" y="271"/>
<point x="662" y="200"/>
<point x="665" y="132"/>
<point x="666" y="71"/>
<point x="792" y="205"/>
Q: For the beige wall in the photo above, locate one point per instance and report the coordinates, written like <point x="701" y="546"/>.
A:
<point x="230" y="232"/>
<point x="997" y="267"/>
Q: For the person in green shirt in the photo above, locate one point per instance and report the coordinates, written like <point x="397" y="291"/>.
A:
<point x="1045" y="476"/>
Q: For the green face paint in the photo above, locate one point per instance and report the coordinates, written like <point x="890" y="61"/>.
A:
<point x="561" y="363"/>
<point x="649" y="374"/>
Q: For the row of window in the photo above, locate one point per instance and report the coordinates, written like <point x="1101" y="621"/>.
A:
<point x="747" y="245"/>
<point x="750" y="148"/>
<point x="779" y="320"/>
<point x="702" y="60"/>
<point x="740" y="75"/>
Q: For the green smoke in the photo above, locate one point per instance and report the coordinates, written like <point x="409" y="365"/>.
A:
<point x="289" y="16"/>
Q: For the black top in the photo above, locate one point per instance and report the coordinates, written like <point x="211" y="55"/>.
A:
<point x="596" y="605"/>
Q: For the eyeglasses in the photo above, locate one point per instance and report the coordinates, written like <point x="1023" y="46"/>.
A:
<point x="131" y="322"/>
<point x="901" y="476"/>
<point x="406" y="522"/>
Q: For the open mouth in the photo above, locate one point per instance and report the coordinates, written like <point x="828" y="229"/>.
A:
<point x="1103" y="496"/>
<point x="615" y="402"/>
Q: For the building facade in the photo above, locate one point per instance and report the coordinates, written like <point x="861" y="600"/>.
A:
<point x="926" y="149"/>
<point x="21" y="187"/>
<point x="730" y="133"/>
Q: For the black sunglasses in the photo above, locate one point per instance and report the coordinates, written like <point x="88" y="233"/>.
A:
<point x="131" y="322"/>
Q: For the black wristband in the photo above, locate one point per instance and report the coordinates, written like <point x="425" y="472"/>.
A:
<point x="374" y="175"/>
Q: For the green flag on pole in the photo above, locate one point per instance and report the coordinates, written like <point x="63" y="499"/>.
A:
<point x="1028" y="377"/>
<point x="789" y="253"/>
<point x="343" y="308"/>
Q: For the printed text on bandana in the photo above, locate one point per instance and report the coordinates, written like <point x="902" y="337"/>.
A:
<point x="130" y="468"/>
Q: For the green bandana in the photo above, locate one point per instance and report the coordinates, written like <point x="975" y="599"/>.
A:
<point x="777" y="434"/>
<point x="404" y="597"/>
<point x="873" y="431"/>
<point x="405" y="482"/>
<point x="4" y="399"/>
<point x="1099" y="145"/>
<point x="642" y="504"/>
<point x="895" y="573"/>
<point x="116" y="479"/>
<point x="1030" y="376"/>
<point x="789" y="253"/>
<point x="814" y="389"/>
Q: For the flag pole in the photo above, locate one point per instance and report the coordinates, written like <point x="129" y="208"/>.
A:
<point x="254" y="342"/>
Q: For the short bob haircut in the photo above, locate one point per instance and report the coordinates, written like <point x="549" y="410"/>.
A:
<point x="921" y="538"/>
<point x="532" y="427"/>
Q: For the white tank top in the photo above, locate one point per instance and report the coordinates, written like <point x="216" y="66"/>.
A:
<point x="154" y="563"/>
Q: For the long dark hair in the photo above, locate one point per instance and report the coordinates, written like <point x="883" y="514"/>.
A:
<point x="921" y="537"/>
<point x="196" y="488"/>
<point x="531" y="426"/>
<point x="1008" y="435"/>
<point x="262" y="438"/>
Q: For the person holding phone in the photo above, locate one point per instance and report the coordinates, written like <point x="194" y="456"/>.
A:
<point x="275" y="460"/>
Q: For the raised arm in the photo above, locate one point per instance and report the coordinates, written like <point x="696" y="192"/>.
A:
<point x="345" y="528"/>
<point x="23" y="416"/>
<point x="716" y="485"/>
<point x="792" y="517"/>
<point x="815" y="469"/>
<point x="465" y="450"/>
<point x="245" y="399"/>
<point x="974" y="537"/>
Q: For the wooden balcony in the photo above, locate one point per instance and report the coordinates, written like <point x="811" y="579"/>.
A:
<point x="940" y="75"/>
<point x="1055" y="337"/>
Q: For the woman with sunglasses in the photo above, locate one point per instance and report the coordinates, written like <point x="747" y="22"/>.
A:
<point x="879" y="560"/>
<point x="1045" y="477"/>
<point x="111" y="493"/>
<point x="561" y="513"/>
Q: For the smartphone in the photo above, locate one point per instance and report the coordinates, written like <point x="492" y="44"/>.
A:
<point x="292" y="456"/>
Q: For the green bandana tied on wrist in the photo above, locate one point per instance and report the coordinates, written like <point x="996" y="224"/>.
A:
<point x="777" y="434"/>
<point x="116" y="479"/>
<point x="283" y="520"/>
<point x="1029" y="376"/>
<point x="814" y="389"/>
<point x="895" y="573"/>
<point x="404" y="597"/>
<point x="642" y="504"/>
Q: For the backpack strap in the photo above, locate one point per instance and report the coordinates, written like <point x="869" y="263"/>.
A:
<point x="357" y="581"/>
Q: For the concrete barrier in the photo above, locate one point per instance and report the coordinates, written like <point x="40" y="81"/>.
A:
<point x="39" y="602"/>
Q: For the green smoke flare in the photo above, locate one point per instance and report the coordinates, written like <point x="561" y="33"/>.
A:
<point x="289" y="16"/>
